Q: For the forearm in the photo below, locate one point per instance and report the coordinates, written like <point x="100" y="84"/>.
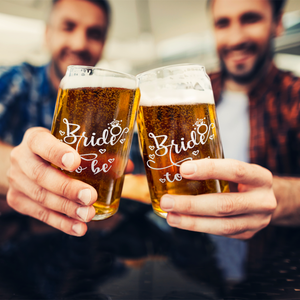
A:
<point x="287" y="193"/>
<point x="5" y="150"/>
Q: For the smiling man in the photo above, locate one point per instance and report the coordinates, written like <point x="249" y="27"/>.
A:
<point x="244" y="32"/>
<point x="258" y="109"/>
<point x="75" y="35"/>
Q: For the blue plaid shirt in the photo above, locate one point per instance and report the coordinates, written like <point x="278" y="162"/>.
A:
<point x="27" y="99"/>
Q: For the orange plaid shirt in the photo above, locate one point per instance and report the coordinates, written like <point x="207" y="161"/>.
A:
<point x="274" y="107"/>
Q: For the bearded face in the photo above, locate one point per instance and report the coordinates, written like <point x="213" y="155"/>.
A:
<point x="244" y="33"/>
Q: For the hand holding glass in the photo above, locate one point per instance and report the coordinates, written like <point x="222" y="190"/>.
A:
<point x="95" y="114"/>
<point x="177" y="122"/>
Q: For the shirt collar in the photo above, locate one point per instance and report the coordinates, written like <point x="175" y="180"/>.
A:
<point x="217" y="80"/>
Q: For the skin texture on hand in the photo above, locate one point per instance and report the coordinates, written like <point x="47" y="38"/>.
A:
<point x="236" y="214"/>
<point x="39" y="190"/>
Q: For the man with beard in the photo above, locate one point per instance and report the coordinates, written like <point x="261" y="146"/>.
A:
<point x="258" y="109"/>
<point x="75" y="35"/>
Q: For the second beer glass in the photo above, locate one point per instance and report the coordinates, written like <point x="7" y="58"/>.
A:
<point x="177" y="122"/>
<point x="95" y="114"/>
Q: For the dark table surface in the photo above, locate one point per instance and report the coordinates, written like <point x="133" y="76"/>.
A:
<point x="136" y="255"/>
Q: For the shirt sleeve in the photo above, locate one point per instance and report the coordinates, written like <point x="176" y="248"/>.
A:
<point x="13" y="83"/>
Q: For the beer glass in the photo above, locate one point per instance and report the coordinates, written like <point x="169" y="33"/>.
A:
<point x="95" y="114"/>
<point x="177" y="122"/>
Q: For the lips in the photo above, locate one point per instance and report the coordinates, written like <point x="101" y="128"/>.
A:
<point x="76" y="58"/>
<point x="73" y="60"/>
<point x="239" y="57"/>
<point x="240" y="51"/>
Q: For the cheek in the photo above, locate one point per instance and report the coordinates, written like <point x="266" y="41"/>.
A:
<point x="221" y="40"/>
<point x="260" y="35"/>
<point x="57" y="43"/>
<point x="96" y="50"/>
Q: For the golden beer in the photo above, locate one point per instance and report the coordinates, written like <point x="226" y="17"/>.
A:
<point x="184" y="129"/>
<point x="98" y="122"/>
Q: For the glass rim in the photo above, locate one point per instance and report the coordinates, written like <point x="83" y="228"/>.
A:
<point x="102" y="69"/>
<point x="138" y="76"/>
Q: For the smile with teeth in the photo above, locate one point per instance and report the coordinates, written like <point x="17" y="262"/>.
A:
<point x="239" y="55"/>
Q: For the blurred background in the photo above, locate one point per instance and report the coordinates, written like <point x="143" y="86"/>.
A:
<point x="144" y="34"/>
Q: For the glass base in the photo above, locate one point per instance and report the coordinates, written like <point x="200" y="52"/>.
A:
<point x="102" y="217"/>
<point x="161" y="214"/>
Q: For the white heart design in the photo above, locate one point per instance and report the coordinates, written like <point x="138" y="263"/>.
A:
<point x="151" y="148"/>
<point x="122" y="141"/>
<point x="211" y="137"/>
<point x="102" y="151"/>
<point x="61" y="132"/>
<point x="195" y="152"/>
<point x="152" y="156"/>
<point x="111" y="160"/>
<point x="162" y="180"/>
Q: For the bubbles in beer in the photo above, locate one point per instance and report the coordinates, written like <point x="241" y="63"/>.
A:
<point x="97" y="122"/>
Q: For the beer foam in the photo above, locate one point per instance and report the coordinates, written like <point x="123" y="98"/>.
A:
<point x="76" y="82"/>
<point x="155" y="97"/>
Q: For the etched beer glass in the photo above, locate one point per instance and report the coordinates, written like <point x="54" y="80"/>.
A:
<point x="95" y="114"/>
<point x="177" y="122"/>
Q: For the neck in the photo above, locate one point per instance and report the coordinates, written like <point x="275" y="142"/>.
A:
<point x="231" y="85"/>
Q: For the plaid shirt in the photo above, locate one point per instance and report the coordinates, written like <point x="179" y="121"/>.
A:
<point x="27" y="99"/>
<point x="274" y="105"/>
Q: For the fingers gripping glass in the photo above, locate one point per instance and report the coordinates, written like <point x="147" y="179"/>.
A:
<point x="95" y="114"/>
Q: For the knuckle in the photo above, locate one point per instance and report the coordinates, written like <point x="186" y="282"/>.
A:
<point x="39" y="194"/>
<point x="38" y="172"/>
<point x="14" y="155"/>
<point x="191" y="224"/>
<point x="30" y="135"/>
<point x="225" y="205"/>
<point x="52" y="152"/>
<point x="271" y="206"/>
<point x="43" y="215"/>
<point x="188" y="205"/>
<point x="265" y="222"/>
<point x="64" y="208"/>
<point x="269" y="203"/>
<point x="212" y="168"/>
<point x="10" y="177"/>
<point x="246" y="235"/>
<point x="11" y="199"/>
<point x="65" y="186"/>
<point x="269" y="178"/>
<point x="230" y="227"/>
<point x="239" y="170"/>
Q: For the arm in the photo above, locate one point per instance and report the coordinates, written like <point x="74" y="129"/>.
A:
<point x="287" y="192"/>
<point x="239" y="214"/>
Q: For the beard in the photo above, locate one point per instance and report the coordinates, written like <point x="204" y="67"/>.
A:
<point x="58" y="72"/>
<point x="84" y="57"/>
<point x="258" y="67"/>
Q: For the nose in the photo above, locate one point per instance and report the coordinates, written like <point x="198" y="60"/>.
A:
<point x="78" y="41"/>
<point x="236" y="35"/>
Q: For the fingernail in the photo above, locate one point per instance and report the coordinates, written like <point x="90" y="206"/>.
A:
<point x="188" y="168"/>
<point x="77" y="229"/>
<point x="167" y="203"/>
<point x="85" y="196"/>
<point x="68" y="160"/>
<point x="174" y="219"/>
<point x="83" y="212"/>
